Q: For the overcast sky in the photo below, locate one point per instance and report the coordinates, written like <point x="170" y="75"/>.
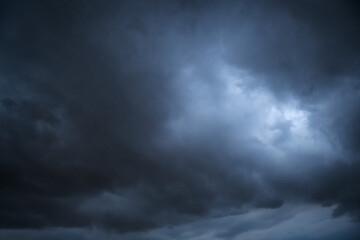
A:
<point x="188" y="120"/>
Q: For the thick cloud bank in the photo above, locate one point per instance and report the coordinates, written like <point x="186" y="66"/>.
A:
<point x="139" y="115"/>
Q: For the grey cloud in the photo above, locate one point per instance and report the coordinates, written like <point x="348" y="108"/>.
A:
<point x="135" y="116"/>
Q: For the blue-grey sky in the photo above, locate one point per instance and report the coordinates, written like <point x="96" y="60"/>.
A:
<point x="179" y="120"/>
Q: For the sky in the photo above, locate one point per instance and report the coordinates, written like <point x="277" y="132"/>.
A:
<point x="180" y="119"/>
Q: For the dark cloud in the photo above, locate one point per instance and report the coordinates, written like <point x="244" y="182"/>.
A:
<point x="305" y="47"/>
<point x="134" y="116"/>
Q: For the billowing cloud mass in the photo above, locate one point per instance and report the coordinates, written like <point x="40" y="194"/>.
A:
<point x="179" y="119"/>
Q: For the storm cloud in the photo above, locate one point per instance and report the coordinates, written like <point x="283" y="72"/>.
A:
<point x="225" y="117"/>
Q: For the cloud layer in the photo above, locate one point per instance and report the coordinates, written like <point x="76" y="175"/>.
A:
<point x="132" y="116"/>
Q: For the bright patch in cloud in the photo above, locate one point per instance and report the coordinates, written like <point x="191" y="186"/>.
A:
<point x="232" y="103"/>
